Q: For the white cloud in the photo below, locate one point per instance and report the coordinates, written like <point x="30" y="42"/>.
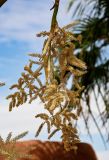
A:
<point x="20" y="119"/>
<point x="103" y="155"/>
<point x="21" y="20"/>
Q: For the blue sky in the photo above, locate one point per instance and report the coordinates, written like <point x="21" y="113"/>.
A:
<point x="20" y="20"/>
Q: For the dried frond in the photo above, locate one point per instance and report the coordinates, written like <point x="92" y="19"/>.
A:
<point x="48" y="126"/>
<point x="44" y="33"/>
<point x="35" y="55"/>
<point x="14" y="86"/>
<point x="43" y="116"/>
<point x="8" y="147"/>
<point x="20" y="136"/>
<point x="8" y="137"/>
<point x="1" y="140"/>
<point x="58" y="52"/>
<point x="51" y="135"/>
<point x="39" y="129"/>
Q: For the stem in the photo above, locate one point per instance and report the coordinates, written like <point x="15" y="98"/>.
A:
<point x="47" y="47"/>
<point x="54" y="21"/>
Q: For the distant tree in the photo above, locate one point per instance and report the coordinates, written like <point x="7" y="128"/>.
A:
<point x="94" y="28"/>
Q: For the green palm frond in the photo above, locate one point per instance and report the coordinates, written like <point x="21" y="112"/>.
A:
<point x="103" y="5"/>
<point x="70" y="4"/>
<point x="94" y="28"/>
<point x="82" y="7"/>
<point x="89" y="7"/>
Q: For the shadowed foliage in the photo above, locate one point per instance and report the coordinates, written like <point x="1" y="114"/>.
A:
<point x="94" y="28"/>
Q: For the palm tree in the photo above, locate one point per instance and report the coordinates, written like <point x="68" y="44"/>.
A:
<point x="94" y="28"/>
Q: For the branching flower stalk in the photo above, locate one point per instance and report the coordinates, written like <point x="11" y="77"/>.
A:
<point x="8" y="149"/>
<point x="58" y="61"/>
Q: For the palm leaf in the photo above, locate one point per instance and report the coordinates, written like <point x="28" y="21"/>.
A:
<point x="94" y="28"/>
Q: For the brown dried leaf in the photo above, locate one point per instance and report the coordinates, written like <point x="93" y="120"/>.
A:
<point x="52" y="134"/>
<point x="39" y="129"/>
<point x="42" y="116"/>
